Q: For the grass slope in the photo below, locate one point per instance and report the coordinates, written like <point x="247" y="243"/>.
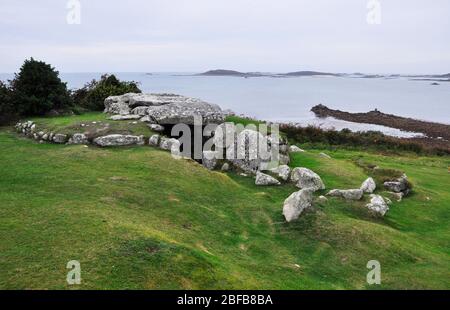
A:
<point x="136" y="218"/>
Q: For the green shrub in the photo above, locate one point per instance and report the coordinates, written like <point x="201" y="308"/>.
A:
<point x="7" y="111"/>
<point x="37" y="89"/>
<point x="92" y="96"/>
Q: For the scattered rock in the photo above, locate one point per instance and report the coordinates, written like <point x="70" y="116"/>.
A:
<point x="295" y="149"/>
<point x="156" y="127"/>
<point x="60" y="138"/>
<point x="170" y="144"/>
<point x="147" y="119"/>
<point x="369" y="186"/>
<point x="209" y="159"/>
<point x="349" y="194"/>
<point x="124" y="117"/>
<point x="283" y="172"/>
<point x="78" y="138"/>
<point x="400" y="185"/>
<point x="119" y="140"/>
<point x="306" y="178"/>
<point x="265" y="179"/>
<point x="225" y="167"/>
<point x="325" y="155"/>
<point x="296" y="203"/>
<point x="377" y="205"/>
<point x="154" y="140"/>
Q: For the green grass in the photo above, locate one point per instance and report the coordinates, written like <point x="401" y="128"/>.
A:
<point x="137" y="219"/>
<point x="95" y="124"/>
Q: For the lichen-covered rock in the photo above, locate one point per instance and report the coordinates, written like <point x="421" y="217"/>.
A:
<point x="245" y="152"/>
<point x="154" y="140"/>
<point x="296" y="203"/>
<point x="170" y="144"/>
<point x="295" y="149"/>
<point x="378" y="205"/>
<point x="265" y="179"/>
<point x="156" y="127"/>
<point x="225" y="167"/>
<point x="283" y="172"/>
<point x="209" y="160"/>
<point x="165" y="108"/>
<point x="60" y="138"/>
<point x="369" y="186"/>
<point x="79" y="138"/>
<point x="124" y="117"/>
<point x="349" y="194"/>
<point x="306" y="178"/>
<point x="119" y="140"/>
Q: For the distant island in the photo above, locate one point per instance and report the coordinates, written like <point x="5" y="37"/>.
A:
<point x="234" y="73"/>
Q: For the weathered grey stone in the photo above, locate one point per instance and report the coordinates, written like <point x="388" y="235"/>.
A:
<point x="284" y="159"/>
<point x="325" y="155"/>
<point x="170" y="144"/>
<point x="283" y="172"/>
<point x="265" y="179"/>
<point x="296" y="203"/>
<point x="369" y="186"/>
<point x="147" y="119"/>
<point x="377" y="205"/>
<point x="295" y="149"/>
<point x="245" y="153"/>
<point x="396" y="186"/>
<point x="306" y="178"/>
<point x="79" y="138"/>
<point x="156" y="127"/>
<point x="124" y="117"/>
<point x="225" y="167"/>
<point x="165" y="108"/>
<point x="60" y="138"/>
<point x="119" y="140"/>
<point x="349" y="194"/>
<point x="209" y="160"/>
<point x="154" y="140"/>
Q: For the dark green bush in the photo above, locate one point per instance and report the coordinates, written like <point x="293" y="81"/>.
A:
<point x="92" y="96"/>
<point x="7" y="111"/>
<point x="37" y="89"/>
<point x="316" y="136"/>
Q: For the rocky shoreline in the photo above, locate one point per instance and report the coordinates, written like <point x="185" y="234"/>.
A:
<point x="431" y="129"/>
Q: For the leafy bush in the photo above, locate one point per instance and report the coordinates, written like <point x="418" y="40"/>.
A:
<point x="7" y="111"/>
<point x="37" y="89"/>
<point x="92" y="96"/>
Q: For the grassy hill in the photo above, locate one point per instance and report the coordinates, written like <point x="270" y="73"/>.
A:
<point x="135" y="218"/>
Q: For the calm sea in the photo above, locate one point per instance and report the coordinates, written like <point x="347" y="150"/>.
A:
<point x="290" y="99"/>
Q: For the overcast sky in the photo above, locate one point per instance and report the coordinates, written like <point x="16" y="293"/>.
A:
<point x="245" y="35"/>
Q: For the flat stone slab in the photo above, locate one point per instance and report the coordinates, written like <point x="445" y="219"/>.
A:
<point x="164" y="108"/>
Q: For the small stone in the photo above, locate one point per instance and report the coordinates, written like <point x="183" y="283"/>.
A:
<point x="296" y="203"/>
<point x="295" y="149"/>
<point x="349" y="194"/>
<point x="156" y="127"/>
<point x="325" y="155"/>
<point x="369" y="186"/>
<point x="225" y="167"/>
<point x="306" y="178"/>
<point x="154" y="140"/>
<point x="265" y="179"/>
<point x="282" y="172"/>
<point x="377" y="205"/>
